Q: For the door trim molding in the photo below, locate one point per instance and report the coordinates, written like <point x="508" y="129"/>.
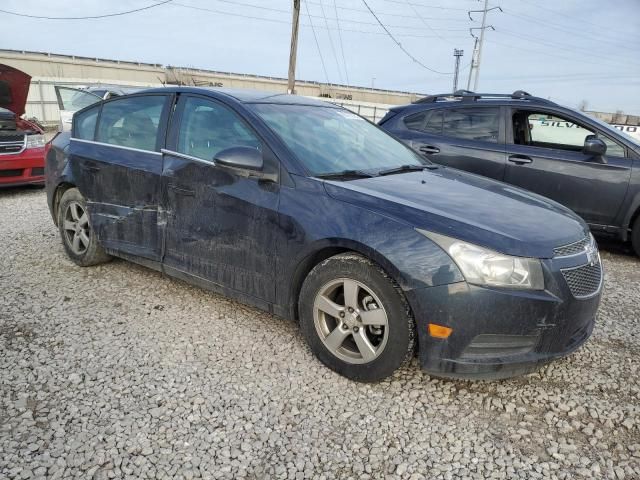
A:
<point x="102" y="144"/>
<point x="184" y="156"/>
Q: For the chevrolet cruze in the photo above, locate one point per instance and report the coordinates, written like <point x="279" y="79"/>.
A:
<point x="308" y="211"/>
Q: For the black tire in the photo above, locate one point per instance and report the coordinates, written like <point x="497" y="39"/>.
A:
<point x="635" y="236"/>
<point x="399" y="345"/>
<point x="91" y="253"/>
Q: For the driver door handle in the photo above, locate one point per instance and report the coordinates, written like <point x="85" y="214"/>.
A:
<point x="520" y="159"/>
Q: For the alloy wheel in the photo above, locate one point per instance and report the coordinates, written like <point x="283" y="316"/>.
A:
<point x="76" y="228"/>
<point x="351" y="321"/>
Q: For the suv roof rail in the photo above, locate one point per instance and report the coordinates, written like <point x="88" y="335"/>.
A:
<point x="469" y="96"/>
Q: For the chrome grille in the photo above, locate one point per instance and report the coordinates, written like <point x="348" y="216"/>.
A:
<point x="571" y="248"/>
<point x="584" y="281"/>
<point x="12" y="144"/>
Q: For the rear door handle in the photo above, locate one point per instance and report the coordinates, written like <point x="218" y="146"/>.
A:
<point x="181" y="190"/>
<point x="520" y="159"/>
<point x="428" y="149"/>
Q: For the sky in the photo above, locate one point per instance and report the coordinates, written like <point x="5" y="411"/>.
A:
<point x="571" y="51"/>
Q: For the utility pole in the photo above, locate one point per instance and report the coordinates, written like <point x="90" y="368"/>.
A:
<point x="457" y="54"/>
<point x="473" y="62"/>
<point x="295" y="24"/>
<point x="477" y="49"/>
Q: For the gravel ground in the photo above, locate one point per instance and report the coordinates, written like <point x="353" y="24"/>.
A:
<point x="118" y="372"/>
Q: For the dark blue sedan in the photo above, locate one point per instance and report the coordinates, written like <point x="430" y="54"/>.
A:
<point x="310" y="212"/>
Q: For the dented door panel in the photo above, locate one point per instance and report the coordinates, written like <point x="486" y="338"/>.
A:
<point x="220" y="227"/>
<point x="122" y="190"/>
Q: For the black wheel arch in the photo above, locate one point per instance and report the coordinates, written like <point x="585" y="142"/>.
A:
<point x="329" y="248"/>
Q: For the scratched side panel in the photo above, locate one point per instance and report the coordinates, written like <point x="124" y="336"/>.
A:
<point x="122" y="190"/>
<point x="221" y="227"/>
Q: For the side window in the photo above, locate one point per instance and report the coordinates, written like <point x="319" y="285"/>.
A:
<point x="552" y="131"/>
<point x="85" y="124"/>
<point x="614" y="149"/>
<point x="415" y="121"/>
<point x="434" y="124"/>
<point x="207" y="128"/>
<point x="481" y="124"/>
<point x="132" y="122"/>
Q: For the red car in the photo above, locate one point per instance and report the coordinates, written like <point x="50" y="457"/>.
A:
<point x="22" y="143"/>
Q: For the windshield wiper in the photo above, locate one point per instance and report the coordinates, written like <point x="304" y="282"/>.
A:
<point x="406" y="168"/>
<point x="346" y="174"/>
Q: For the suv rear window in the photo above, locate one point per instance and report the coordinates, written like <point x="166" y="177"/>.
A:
<point x="480" y="124"/>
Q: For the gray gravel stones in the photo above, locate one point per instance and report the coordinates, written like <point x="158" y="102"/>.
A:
<point x="117" y="372"/>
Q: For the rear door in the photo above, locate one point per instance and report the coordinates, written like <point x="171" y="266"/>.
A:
<point x="71" y="100"/>
<point x="221" y="225"/>
<point x="117" y="167"/>
<point x="545" y="156"/>
<point x="468" y="138"/>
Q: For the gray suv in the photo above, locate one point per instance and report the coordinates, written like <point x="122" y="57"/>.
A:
<point x="560" y="153"/>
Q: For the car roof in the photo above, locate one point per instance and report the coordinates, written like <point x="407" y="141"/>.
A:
<point x="245" y="96"/>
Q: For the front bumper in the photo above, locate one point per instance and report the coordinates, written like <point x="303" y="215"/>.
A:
<point x="499" y="333"/>
<point x="23" y="168"/>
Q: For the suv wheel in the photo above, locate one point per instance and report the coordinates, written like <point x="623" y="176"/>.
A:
<point x="78" y="238"/>
<point x="355" y="318"/>
<point x="635" y="236"/>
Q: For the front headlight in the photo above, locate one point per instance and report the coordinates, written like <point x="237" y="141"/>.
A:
<point x="35" y="141"/>
<point x="485" y="267"/>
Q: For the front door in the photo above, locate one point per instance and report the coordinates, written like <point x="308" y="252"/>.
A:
<point x="221" y="226"/>
<point x="545" y="156"/>
<point x="118" y="167"/>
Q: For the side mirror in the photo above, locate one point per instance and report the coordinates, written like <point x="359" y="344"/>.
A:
<point x="241" y="158"/>
<point x="594" y="146"/>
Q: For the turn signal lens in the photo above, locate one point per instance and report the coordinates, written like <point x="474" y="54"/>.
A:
<point x="438" y="331"/>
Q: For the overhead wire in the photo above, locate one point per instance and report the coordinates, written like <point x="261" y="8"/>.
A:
<point x="344" y="61"/>
<point x="333" y="48"/>
<point x="406" y="52"/>
<point x="317" y="44"/>
<point x="86" y="17"/>
<point x="287" y="22"/>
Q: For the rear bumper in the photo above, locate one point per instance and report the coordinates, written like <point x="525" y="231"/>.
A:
<point x="24" y="168"/>
<point x="499" y="333"/>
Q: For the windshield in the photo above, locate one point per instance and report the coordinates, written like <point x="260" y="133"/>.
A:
<point x="611" y="128"/>
<point x="329" y="140"/>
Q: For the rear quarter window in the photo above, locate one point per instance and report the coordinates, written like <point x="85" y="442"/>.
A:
<point x="415" y="121"/>
<point x="85" y="124"/>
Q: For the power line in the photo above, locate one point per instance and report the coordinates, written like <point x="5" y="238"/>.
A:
<point x="317" y="44"/>
<point x="88" y="17"/>
<point x="406" y="52"/>
<point x="389" y="14"/>
<point x="546" y="53"/>
<point x="424" y="21"/>
<point x="344" y="61"/>
<point x="554" y="26"/>
<point x="285" y="22"/>
<point x="333" y="48"/>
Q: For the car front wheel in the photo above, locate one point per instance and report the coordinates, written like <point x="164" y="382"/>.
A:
<point x="78" y="238"/>
<point x="355" y="318"/>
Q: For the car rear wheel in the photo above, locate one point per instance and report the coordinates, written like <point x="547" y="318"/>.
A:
<point x="355" y="318"/>
<point x="78" y="238"/>
<point x="635" y="236"/>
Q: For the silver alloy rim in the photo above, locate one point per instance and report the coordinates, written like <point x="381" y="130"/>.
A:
<point x="351" y="321"/>
<point x="76" y="228"/>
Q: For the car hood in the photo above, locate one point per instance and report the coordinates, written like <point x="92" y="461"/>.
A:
<point x="14" y="88"/>
<point x="469" y="207"/>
